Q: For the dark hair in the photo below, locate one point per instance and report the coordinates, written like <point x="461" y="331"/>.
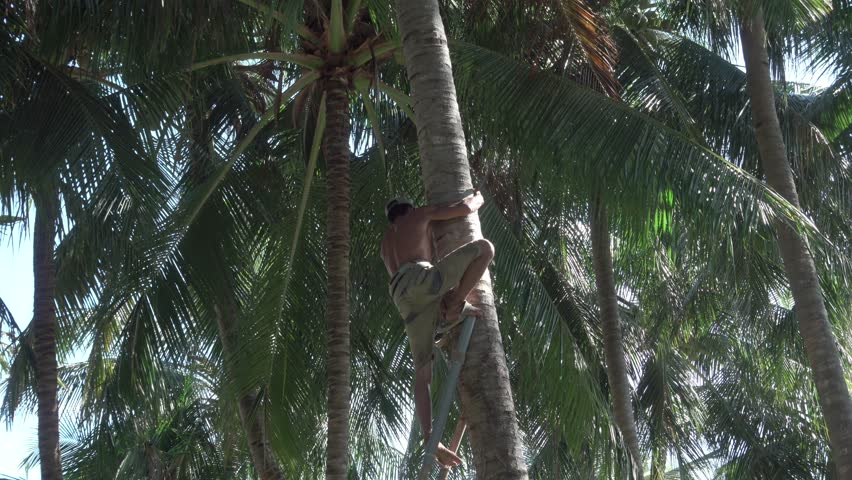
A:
<point x="398" y="210"/>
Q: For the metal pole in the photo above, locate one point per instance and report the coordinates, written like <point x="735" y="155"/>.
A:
<point x="447" y="394"/>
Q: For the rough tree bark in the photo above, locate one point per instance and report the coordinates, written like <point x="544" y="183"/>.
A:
<point x="44" y="335"/>
<point x="616" y="369"/>
<point x="820" y="344"/>
<point x="486" y="393"/>
<point x="336" y="153"/>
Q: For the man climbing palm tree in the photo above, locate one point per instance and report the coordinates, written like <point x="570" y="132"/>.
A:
<point x="424" y="292"/>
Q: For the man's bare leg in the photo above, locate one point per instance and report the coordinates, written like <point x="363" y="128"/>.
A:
<point x="461" y="426"/>
<point x="453" y="302"/>
<point x="423" y="407"/>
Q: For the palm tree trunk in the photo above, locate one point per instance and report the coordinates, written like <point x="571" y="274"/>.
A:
<point x="265" y="463"/>
<point x="485" y="390"/>
<point x="336" y="153"/>
<point x="44" y="334"/>
<point x="820" y="344"/>
<point x="264" y="460"/>
<point x="616" y="369"/>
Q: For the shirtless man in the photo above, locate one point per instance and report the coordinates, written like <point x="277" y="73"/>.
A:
<point x="425" y="293"/>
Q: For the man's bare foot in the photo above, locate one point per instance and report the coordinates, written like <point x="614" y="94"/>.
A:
<point x="446" y="457"/>
<point x="452" y="309"/>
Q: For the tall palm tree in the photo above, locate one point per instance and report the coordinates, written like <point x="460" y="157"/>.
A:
<point x="336" y="154"/>
<point x="335" y="45"/>
<point x="801" y="271"/>
<point x="77" y="154"/>
<point x="100" y="54"/>
<point x="616" y="367"/>
<point x="486" y="393"/>
<point x="44" y="332"/>
<point x="724" y="133"/>
<point x="601" y="55"/>
<point x="222" y="285"/>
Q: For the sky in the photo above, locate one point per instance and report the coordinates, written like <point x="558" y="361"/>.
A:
<point x="16" y="289"/>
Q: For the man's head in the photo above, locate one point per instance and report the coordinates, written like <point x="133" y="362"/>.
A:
<point x="398" y="207"/>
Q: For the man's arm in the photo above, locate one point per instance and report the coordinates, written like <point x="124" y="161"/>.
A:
<point x="461" y="209"/>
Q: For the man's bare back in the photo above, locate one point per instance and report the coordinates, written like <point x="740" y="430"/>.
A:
<point x="409" y="239"/>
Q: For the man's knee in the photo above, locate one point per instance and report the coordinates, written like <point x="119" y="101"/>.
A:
<point x="486" y="248"/>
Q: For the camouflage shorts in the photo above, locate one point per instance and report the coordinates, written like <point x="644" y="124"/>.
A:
<point x="417" y="289"/>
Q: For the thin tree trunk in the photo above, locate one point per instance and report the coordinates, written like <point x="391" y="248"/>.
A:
<point x="265" y="463"/>
<point x="262" y="457"/>
<point x="227" y="319"/>
<point x="336" y="153"/>
<point x="820" y="344"/>
<point x="44" y="334"/>
<point x="486" y="393"/>
<point x="616" y="368"/>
